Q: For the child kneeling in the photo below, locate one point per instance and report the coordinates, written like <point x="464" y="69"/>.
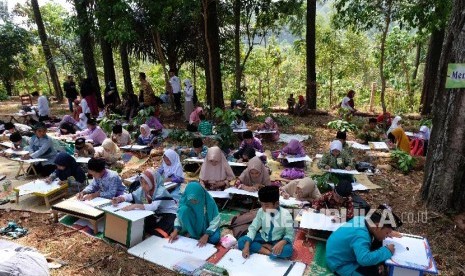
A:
<point x="274" y="226"/>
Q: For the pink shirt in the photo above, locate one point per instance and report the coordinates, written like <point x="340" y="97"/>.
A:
<point x="96" y="135"/>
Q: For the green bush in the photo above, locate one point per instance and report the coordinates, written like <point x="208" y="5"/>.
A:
<point x="322" y="181"/>
<point x="109" y="121"/>
<point x="405" y="161"/>
<point x="224" y="133"/>
<point x="341" y="125"/>
<point x="425" y="122"/>
<point x="3" y="95"/>
<point x="183" y="136"/>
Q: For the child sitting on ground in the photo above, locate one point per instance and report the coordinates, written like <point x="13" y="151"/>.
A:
<point x="215" y="173"/>
<point x="274" y="240"/>
<point x="146" y="138"/>
<point x="255" y="176"/>
<point x="293" y="148"/>
<point x="83" y="149"/>
<point x="120" y="136"/>
<point x="205" y="127"/>
<point x="249" y="141"/>
<point x="238" y="123"/>
<point x="269" y="125"/>
<point x="338" y="199"/>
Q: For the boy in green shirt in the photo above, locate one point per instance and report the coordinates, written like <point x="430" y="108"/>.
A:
<point x="205" y="127"/>
<point x="271" y="232"/>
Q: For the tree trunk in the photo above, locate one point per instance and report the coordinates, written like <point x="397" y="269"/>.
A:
<point x="8" y="86"/>
<point x="237" y="47"/>
<point x="431" y="69"/>
<point x="123" y="52"/>
<point x="417" y="62"/>
<point x="382" y="56"/>
<point x="331" y="85"/>
<point x="87" y="46"/>
<point x="211" y="31"/>
<point x="47" y="51"/>
<point x="311" y="55"/>
<point x="443" y="187"/>
<point x="108" y="64"/>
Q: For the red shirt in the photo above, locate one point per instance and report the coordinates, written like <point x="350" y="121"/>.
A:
<point x="328" y="201"/>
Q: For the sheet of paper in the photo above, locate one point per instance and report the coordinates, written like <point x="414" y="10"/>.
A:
<point x="286" y="138"/>
<point x="29" y="161"/>
<point x="38" y="186"/>
<point x="359" y="146"/>
<point x="132" y="179"/>
<point x="219" y="194"/>
<point x="344" y="171"/>
<point x="240" y="130"/>
<point x="236" y="164"/>
<point x="237" y="191"/>
<point x="258" y="264"/>
<point x="17" y="152"/>
<point x="169" y="185"/>
<point x="409" y="251"/>
<point x="82" y="160"/>
<point x="318" y="221"/>
<point x="292" y="159"/>
<point x="134" y="147"/>
<point x="259" y="154"/>
<point x="265" y="131"/>
<point x="291" y="202"/>
<point x="409" y="133"/>
<point x="378" y="145"/>
<point x="96" y="201"/>
<point x="194" y="160"/>
<point x="358" y="187"/>
<point x="159" y="251"/>
<point x="132" y="215"/>
<point x="81" y="207"/>
<point x="7" y="144"/>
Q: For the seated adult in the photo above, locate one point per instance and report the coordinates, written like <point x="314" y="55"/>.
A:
<point x="371" y="132"/>
<point x="215" y="173"/>
<point x="198" y="216"/>
<point x="83" y="148"/>
<point x="120" y="136"/>
<point x="400" y="139"/>
<point x="105" y="183"/>
<point x="69" y="171"/>
<point x="356" y="248"/>
<point x="41" y="146"/>
<point x="205" y="127"/>
<point x="348" y="103"/>
<point x="396" y="122"/>
<point x="301" y="108"/>
<point x="93" y="133"/>
<point x="304" y="189"/>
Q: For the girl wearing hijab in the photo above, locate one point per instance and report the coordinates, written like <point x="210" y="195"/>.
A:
<point x="67" y="169"/>
<point x="304" y="189"/>
<point x="293" y="148"/>
<point x="399" y="137"/>
<point x="270" y="125"/>
<point x="301" y="106"/>
<point x="109" y="152"/>
<point x="171" y="167"/>
<point x="194" y="118"/>
<point x="255" y="176"/>
<point x="336" y="158"/>
<point x="146" y="137"/>
<point x="152" y="196"/>
<point x="198" y="216"/>
<point x="188" y="97"/>
<point x="395" y="124"/>
<point x="425" y="135"/>
<point x="215" y="173"/>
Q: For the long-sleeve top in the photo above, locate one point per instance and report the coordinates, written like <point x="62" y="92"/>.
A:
<point x="42" y="106"/>
<point x="165" y="206"/>
<point x="85" y="107"/>
<point x="349" y="248"/>
<point x="175" y="84"/>
<point x="348" y="103"/>
<point x="122" y="139"/>
<point x="145" y="140"/>
<point x="256" y="144"/>
<point x="174" y="178"/>
<point x="272" y="228"/>
<point x="97" y="135"/>
<point x="148" y="97"/>
<point x="42" y="148"/>
<point x="202" y="153"/>
<point x="212" y="227"/>
<point x="70" y="89"/>
<point x="188" y="93"/>
<point x="341" y="162"/>
<point x="327" y="200"/>
<point x="240" y="125"/>
<point x="205" y="128"/>
<point x="109" y="185"/>
<point x="86" y="151"/>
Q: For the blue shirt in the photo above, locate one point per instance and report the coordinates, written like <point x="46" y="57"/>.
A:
<point x="42" y="148"/>
<point x="349" y="248"/>
<point x="109" y="185"/>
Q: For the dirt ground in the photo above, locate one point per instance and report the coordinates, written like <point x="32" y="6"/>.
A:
<point x="85" y="255"/>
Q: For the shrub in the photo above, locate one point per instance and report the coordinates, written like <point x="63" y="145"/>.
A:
<point x="403" y="160"/>
<point x="341" y="125"/>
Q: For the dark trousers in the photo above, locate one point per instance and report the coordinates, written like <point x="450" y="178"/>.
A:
<point x="177" y="101"/>
<point x="70" y="104"/>
<point x="163" y="221"/>
<point x="44" y="118"/>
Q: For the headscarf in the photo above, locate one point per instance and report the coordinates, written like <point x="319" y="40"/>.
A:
<point x="82" y="124"/>
<point x="110" y="147"/>
<point x="196" y="210"/>
<point x="394" y="124"/>
<point x="147" y="131"/>
<point x="71" y="168"/>
<point x="175" y="168"/>
<point x="155" y="181"/>
<point x="425" y="132"/>
<point x="255" y="164"/>
<point x="220" y="172"/>
<point x="335" y="145"/>
<point x="68" y="119"/>
<point x="270" y="124"/>
<point x="69" y="127"/>
<point x="153" y="122"/>
<point x="294" y="147"/>
<point x="307" y="185"/>
<point x="402" y="141"/>
<point x="301" y="100"/>
<point x="194" y="117"/>
<point x="187" y="82"/>
<point x="351" y="94"/>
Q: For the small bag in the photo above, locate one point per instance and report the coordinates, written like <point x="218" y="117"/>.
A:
<point x="292" y="173"/>
<point x="364" y="166"/>
<point x="240" y="223"/>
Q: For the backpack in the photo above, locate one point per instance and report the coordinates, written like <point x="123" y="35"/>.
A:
<point x="417" y="147"/>
<point x="240" y="223"/>
<point x="292" y="173"/>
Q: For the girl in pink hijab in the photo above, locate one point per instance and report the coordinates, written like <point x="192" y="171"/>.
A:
<point x="269" y="125"/>
<point x="293" y="148"/>
<point x="215" y="173"/>
<point x="194" y="118"/>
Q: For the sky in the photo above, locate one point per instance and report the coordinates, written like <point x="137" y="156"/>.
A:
<point x="18" y="20"/>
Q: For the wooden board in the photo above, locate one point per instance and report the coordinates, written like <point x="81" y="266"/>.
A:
<point x="73" y="206"/>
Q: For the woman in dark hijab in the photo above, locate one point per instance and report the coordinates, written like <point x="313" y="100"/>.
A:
<point x="68" y="170"/>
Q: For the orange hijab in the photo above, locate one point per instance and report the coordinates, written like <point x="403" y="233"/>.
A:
<point x="402" y="141"/>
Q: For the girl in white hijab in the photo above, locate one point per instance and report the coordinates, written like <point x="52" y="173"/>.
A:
<point x="171" y="167"/>
<point x="395" y="124"/>
<point x="188" y="96"/>
<point x="425" y="132"/>
<point x="336" y="158"/>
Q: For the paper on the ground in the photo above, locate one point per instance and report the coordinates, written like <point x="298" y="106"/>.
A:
<point x="194" y="160"/>
<point x="237" y="191"/>
<point x="409" y="251"/>
<point x="134" y="147"/>
<point x="219" y="194"/>
<point x="265" y="131"/>
<point x="84" y="222"/>
<point x="378" y="145"/>
<point x="358" y="187"/>
<point x="318" y="221"/>
<point x="292" y="159"/>
<point x="285" y="138"/>
<point x="169" y="185"/>
<point x="17" y="152"/>
<point x="132" y="215"/>
<point x="344" y="171"/>
<point x="7" y="144"/>
<point x="357" y="145"/>
<point x="38" y="186"/>
<point x="159" y="251"/>
<point x="239" y="130"/>
<point x="258" y="264"/>
<point x="291" y="201"/>
<point x="29" y="161"/>
<point x="82" y="160"/>
<point x="318" y="156"/>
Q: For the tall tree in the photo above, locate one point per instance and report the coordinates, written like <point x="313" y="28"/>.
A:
<point x="87" y="45"/>
<point x="47" y="51"/>
<point x="443" y="187"/>
<point x="123" y="52"/>
<point x="310" y="38"/>
<point x="237" y="46"/>
<point x="212" y="41"/>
